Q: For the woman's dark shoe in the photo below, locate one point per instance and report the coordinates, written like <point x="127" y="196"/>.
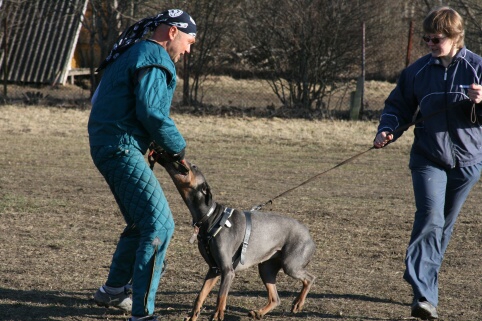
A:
<point x="424" y="310"/>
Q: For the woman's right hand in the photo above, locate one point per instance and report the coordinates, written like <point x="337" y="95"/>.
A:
<point x="382" y="139"/>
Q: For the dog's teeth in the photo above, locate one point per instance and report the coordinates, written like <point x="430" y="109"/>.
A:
<point x="193" y="238"/>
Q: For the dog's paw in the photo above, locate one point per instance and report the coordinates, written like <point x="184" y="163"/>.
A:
<point x="297" y="307"/>
<point x="194" y="315"/>
<point x="255" y="315"/>
<point x="217" y="317"/>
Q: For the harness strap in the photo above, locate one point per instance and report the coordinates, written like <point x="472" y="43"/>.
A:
<point x="227" y="214"/>
<point x="247" y="233"/>
<point x="209" y="256"/>
<point x="205" y="240"/>
<point x="224" y="219"/>
<point x="241" y="253"/>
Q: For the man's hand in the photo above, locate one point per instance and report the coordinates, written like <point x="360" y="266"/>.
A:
<point x="158" y="155"/>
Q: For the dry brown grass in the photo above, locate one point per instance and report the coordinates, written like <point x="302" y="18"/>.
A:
<point x="226" y="91"/>
<point x="217" y="92"/>
<point x="59" y="223"/>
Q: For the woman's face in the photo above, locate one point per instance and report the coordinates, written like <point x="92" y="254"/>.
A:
<point x="440" y="45"/>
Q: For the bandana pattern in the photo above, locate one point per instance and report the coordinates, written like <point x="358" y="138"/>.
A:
<point x="172" y="17"/>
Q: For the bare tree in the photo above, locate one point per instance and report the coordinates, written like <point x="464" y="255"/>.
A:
<point x="307" y="46"/>
<point x="215" y="20"/>
<point x="104" y="21"/>
<point x="471" y="10"/>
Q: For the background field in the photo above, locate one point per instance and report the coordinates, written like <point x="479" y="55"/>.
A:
<point x="59" y="223"/>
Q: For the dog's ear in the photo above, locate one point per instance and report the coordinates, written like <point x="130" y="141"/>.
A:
<point x="206" y="190"/>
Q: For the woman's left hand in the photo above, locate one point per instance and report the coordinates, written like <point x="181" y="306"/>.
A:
<point x="475" y="93"/>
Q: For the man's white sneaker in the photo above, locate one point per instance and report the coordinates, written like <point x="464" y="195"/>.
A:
<point x="121" y="301"/>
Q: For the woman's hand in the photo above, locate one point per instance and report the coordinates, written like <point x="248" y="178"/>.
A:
<point x="382" y="139"/>
<point x="475" y="93"/>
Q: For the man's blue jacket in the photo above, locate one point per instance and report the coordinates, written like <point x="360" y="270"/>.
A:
<point x="133" y="100"/>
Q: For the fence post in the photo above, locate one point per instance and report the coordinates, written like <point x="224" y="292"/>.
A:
<point x="356" y="103"/>
<point x="5" y="54"/>
<point x="356" y="100"/>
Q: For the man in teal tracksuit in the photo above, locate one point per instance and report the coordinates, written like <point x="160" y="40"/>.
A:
<point x="130" y="109"/>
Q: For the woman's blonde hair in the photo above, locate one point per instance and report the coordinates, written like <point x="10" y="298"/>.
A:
<point x="447" y="21"/>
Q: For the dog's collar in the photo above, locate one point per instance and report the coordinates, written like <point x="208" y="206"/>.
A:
<point x="206" y="216"/>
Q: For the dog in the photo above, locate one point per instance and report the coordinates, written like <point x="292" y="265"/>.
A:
<point x="231" y="240"/>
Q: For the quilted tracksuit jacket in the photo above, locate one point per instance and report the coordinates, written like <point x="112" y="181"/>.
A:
<point x="449" y="138"/>
<point x="130" y="109"/>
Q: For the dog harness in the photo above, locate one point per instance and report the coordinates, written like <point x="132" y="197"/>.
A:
<point x="213" y="230"/>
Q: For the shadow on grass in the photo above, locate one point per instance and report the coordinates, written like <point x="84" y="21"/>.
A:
<point x="47" y="305"/>
<point x="312" y="295"/>
<point x="59" y="305"/>
<point x="235" y="312"/>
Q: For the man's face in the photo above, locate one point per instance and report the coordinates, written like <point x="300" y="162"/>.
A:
<point x="179" y="45"/>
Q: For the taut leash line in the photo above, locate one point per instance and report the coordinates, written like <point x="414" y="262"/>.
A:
<point x="399" y="129"/>
<point x="258" y="207"/>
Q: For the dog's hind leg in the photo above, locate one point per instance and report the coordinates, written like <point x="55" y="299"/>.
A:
<point x="268" y="271"/>
<point x="209" y="283"/>
<point x="307" y="279"/>
<point x="295" y="260"/>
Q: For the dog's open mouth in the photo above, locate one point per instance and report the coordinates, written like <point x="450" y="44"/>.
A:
<point x="180" y="166"/>
<point x="170" y="162"/>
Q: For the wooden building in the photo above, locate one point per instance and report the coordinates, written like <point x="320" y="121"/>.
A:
<point x="43" y="41"/>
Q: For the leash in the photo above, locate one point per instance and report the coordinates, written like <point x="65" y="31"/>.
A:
<point x="258" y="207"/>
<point x="399" y="129"/>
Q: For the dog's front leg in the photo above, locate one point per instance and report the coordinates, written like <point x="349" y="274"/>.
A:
<point x="209" y="282"/>
<point x="227" y="276"/>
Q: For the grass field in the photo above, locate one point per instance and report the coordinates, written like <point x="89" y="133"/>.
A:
<point x="59" y="223"/>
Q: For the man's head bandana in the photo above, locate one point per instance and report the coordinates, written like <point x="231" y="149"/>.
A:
<point x="171" y="17"/>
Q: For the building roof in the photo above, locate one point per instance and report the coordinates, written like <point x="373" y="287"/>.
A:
<point x="41" y="39"/>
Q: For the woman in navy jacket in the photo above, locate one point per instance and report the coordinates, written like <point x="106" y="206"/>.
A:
<point x="444" y="89"/>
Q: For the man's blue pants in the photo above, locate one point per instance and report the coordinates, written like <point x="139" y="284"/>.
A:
<point x="439" y="196"/>
<point x="141" y="249"/>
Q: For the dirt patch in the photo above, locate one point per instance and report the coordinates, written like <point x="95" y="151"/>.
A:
<point x="59" y="223"/>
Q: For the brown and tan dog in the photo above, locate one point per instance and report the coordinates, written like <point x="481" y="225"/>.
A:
<point x="231" y="240"/>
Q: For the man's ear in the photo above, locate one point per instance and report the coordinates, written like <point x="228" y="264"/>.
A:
<point x="173" y="31"/>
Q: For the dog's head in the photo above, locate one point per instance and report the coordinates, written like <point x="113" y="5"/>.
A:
<point x="192" y="186"/>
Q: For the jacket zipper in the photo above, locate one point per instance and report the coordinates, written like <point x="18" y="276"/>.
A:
<point x="452" y="150"/>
